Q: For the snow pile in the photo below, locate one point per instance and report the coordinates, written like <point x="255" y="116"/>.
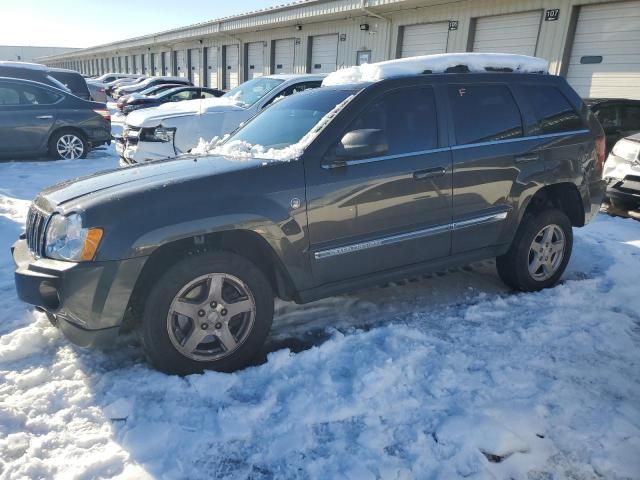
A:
<point x="448" y="376"/>
<point x="243" y="150"/>
<point x="438" y="63"/>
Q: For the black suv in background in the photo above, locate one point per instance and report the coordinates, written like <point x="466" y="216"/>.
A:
<point x="37" y="119"/>
<point x="619" y="117"/>
<point x="325" y="191"/>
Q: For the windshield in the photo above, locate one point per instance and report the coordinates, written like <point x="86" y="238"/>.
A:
<point x="250" y="92"/>
<point x="285" y="122"/>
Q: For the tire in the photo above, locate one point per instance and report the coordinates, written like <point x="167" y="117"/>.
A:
<point x="68" y="145"/>
<point x="517" y="267"/>
<point x="204" y="286"/>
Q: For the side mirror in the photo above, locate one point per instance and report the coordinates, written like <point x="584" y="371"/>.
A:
<point x="367" y="142"/>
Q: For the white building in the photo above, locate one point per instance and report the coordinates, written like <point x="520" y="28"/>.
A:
<point x="24" y="53"/>
<point x="594" y="43"/>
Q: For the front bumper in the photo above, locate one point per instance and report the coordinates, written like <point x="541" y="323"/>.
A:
<point x="89" y="299"/>
<point x="140" y="152"/>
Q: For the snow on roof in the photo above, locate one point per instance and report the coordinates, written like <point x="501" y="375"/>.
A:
<point x="439" y="63"/>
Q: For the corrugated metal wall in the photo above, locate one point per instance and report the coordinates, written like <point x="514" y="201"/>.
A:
<point x="343" y="18"/>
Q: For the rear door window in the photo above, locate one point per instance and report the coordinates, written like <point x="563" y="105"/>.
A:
<point x="484" y="113"/>
<point x="552" y="109"/>
<point x="37" y="96"/>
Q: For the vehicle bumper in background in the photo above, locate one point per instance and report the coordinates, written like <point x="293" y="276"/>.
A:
<point x="626" y="190"/>
<point x="140" y="152"/>
<point x="89" y="299"/>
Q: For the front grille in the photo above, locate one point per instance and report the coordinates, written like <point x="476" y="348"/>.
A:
<point x="35" y="231"/>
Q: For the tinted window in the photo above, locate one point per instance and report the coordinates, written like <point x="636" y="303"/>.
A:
<point x="184" y="95"/>
<point x="553" y="111"/>
<point x="73" y="81"/>
<point x="9" y="95"/>
<point x="631" y="117"/>
<point x="484" y="113"/>
<point x="407" y="117"/>
<point x="38" y="96"/>
<point x="608" y="116"/>
<point x="290" y="90"/>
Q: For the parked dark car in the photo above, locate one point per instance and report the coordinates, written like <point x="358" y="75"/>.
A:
<point x="619" y="117"/>
<point x="38" y="119"/>
<point x="73" y="81"/>
<point x="56" y="77"/>
<point x="130" y="103"/>
<point x="153" y="90"/>
<point x="381" y="181"/>
<point x="148" y="82"/>
<point x="622" y="173"/>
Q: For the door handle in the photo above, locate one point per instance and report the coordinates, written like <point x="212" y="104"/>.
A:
<point x="44" y="117"/>
<point x="429" y="173"/>
<point x="532" y="157"/>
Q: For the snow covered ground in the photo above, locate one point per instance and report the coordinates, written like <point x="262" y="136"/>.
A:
<point x="443" y="376"/>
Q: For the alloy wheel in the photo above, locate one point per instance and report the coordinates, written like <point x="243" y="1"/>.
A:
<point x="70" y="146"/>
<point x="546" y="252"/>
<point x="211" y="317"/>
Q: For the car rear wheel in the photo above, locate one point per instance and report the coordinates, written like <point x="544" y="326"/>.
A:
<point x="210" y="311"/>
<point x="539" y="252"/>
<point x="68" y="145"/>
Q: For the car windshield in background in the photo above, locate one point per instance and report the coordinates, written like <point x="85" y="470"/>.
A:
<point x="250" y="92"/>
<point x="285" y="122"/>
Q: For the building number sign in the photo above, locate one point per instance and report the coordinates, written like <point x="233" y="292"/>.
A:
<point x="551" y="15"/>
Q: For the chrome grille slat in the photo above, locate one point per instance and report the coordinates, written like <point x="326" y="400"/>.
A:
<point x="35" y="231"/>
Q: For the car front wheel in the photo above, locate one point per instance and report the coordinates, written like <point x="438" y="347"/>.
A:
<point x="539" y="252"/>
<point x="210" y="311"/>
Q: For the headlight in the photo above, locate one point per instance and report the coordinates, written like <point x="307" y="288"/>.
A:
<point x="66" y="239"/>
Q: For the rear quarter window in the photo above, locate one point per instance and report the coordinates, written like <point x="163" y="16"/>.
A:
<point x="552" y="110"/>
<point x="72" y="81"/>
<point x="484" y="113"/>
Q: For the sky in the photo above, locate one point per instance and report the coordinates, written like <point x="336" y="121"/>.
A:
<point x="85" y="23"/>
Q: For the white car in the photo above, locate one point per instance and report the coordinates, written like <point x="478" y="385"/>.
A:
<point x="175" y="128"/>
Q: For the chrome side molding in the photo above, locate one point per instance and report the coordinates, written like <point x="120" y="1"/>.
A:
<point x="425" y="232"/>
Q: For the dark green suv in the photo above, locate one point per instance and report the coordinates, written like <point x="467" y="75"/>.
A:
<point x="325" y="191"/>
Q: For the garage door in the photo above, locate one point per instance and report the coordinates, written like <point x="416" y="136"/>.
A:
<point x="284" y="55"/>
<point x="324" y="53"/>
<point x="231" y="78"/>
<point x="166" y="63"/>
<point x="424" y="39"/>
<point x="181" y="63"/>
<point x="194" y="65"/>
<point x="513" y="33"/>
<point x="255" y="60"/>
<point x="212" y="67"/>
<point x="605" y="57"/>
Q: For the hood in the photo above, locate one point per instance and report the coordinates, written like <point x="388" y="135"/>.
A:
<point x="152" y="117"/>
<point x="123" y="181"/>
